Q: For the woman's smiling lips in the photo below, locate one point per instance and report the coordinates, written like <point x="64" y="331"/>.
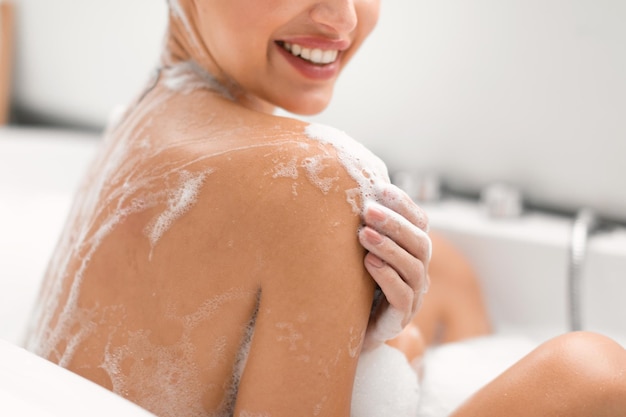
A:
<point x="315" y="58"/>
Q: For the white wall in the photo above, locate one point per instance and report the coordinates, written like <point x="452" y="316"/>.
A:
<point x="531" y="92"/>
<point x="77" y="59"/>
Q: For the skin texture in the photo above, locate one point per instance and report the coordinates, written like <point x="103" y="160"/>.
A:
<point x="575" y="375"/>
<point x="292" y="277"/>
<point x="237" y="66"/>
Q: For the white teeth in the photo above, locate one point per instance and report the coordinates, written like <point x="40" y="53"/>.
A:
<point x="316" y="56"/>
<point x="329" y="56"/>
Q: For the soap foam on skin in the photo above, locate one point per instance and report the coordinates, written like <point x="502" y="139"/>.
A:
<point x="385" y="383"/>
<point x="314" y="167"/>
<point x="369" y="172"/>
<point x="179" y="201"/>
<point x="176" y="363"/>
<point x="128" y="199"/>
<point x="288" y="170"/>
<point x="119" y="190"/>
<point x="187" y="77"/>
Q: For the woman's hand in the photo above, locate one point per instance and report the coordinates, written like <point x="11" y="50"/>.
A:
<point x="399" y="250"/>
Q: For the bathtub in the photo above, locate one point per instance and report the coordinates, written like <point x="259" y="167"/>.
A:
<point x="522" y="263"/>
<point x="39" y="171"/>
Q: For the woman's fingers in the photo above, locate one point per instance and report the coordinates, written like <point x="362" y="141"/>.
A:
<point x="398" y="294"/>
<point x="397" y="200"/>
<point x="408" y="268"/>
<point x="399" y="252"/>
<point x="405" y="234"/>
<point x="396" y="310"/>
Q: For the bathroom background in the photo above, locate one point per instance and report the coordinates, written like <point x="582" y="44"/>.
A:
<point x="531" y="93"/>
<point x="506" y="118"/>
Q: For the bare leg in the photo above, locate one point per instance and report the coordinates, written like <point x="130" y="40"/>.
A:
<point x="577" y="374"/>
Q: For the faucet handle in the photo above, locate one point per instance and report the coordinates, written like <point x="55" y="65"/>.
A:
<point x="424" y="188"/>
<point x="502" y="201"/>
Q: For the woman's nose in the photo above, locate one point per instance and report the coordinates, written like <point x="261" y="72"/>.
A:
<point x="337" y="15"/>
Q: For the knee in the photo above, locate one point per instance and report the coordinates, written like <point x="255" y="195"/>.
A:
<point x="592" y="364"/>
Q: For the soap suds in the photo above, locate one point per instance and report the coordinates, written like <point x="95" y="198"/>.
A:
<point x="187" y="77"/>
<point x="120" y="186"/>
<point x="369" y="172"/>
<point x="153" y="379"/>
<point x="179" y="200"/>
<point x="314" y="168"/>
<point x="356" y="342"/>
<point x="289" y="335"/>
<point x="288" y="170"/>
<point x="388" y="325"/>
<point x="385" y="385"/>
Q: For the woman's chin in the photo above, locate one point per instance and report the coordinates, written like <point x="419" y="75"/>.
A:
<point x="307" y="105"/>
<point x="304" y="102"/>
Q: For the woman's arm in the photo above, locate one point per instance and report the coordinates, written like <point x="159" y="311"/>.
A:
<point x="315" y="301"/>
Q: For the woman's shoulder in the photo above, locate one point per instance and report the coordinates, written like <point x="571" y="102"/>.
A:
<point x="260" y="203"/>
<point x="201" y="124"/>
<point x="270" y="150"/>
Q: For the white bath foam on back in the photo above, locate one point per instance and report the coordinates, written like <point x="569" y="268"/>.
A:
<point x="369" y="172"/>
<point x="128" y="190"/>
<point x="385" y="385"/>
<point x="121" y="186"/>
<point x="90" y="235"/>
<point x="115" y="191"/>
<point x="314" y="168"/>
<point x="286" y="170"/>
<point x="156" y="374"/>
<point x="179" y="201"/>
<point x="187" y="76"/>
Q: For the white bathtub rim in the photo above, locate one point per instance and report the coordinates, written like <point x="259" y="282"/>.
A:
<point x="33" y="384"/>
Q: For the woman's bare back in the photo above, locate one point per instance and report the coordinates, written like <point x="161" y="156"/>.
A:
<point x="202" y="257"/>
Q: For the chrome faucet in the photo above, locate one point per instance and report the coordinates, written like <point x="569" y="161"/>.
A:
<point x="585" y="223"/>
